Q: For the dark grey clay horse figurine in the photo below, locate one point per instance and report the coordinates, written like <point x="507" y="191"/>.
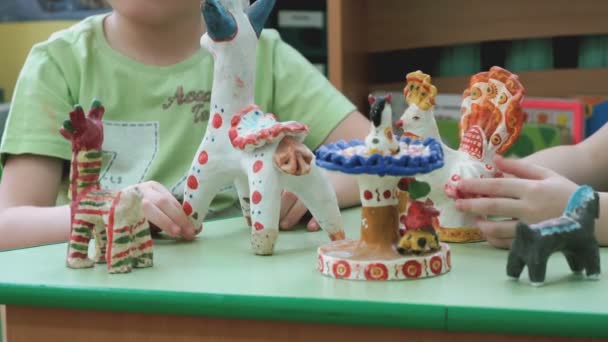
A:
<point x="573" y="234"/>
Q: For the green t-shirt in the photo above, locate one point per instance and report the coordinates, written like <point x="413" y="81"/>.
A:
<point x="155" y="116"/>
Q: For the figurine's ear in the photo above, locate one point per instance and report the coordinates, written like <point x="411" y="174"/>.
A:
<point x="596" y="203"/>
<point x="523" y="231"/>
<point x="221" y="25"/>
<point x="371" y="99"/>
<point x="258" y="13"/>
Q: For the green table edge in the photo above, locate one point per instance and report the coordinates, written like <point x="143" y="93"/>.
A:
<point x="526" y="322"/>
<point x="312" y="310"/>
<point x="308" y="310"/>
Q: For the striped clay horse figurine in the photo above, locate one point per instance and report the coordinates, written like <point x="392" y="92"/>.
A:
<point x="115" y="219"/>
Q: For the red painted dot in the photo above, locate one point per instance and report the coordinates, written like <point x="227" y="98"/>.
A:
<point x="232" y="134"/>
<point x="192" y="182"/>
<point x="368" y="195"/>
<point x="489" y="167"/>
<point x="256" y="197"/>
<point x="187" y="208"/>
<point x="455" y="178"/>
<point x="258" y="226"/>
<point x="257" y="166"/>
<point x="217" y="121"/>
<point x="387" y="194"/>
<point x="203" y="158"/>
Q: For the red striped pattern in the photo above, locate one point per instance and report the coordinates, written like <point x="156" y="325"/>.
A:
<point x="78" y="255"/>
<point x="83" y="223"/>
<point x="122" y="230"/>
<point x="122" y="254"/>
<point x="146" y="244"/>
<point x="92" y="211"/>
<point x="90" y="165"/>
<point x="88" y="177"/>
<point x="81" y="239"/>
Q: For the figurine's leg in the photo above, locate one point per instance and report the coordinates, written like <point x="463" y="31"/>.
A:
<point x="592" y="262"/>
<point x="142" y="243"/>
<point x="120" y="240"/>
<point x="78" y="246"/>
<point x="318" y="195"/>
<point x="574" y="261"/>
<point x="537" y="272"/>
<point x="242" y="189"/>
<point x="101" y="240"/>
<point x="515" y="265"/>
<point x="204" y="182"/>
<point x="265" y="198"/>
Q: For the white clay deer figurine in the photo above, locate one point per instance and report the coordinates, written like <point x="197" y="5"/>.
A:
<point x="247" y="147"/>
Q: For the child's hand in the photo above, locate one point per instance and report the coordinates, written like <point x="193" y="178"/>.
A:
<point x="292" y="211"/>
<point x="536" y="194"/>
<point x="164" y="211"/>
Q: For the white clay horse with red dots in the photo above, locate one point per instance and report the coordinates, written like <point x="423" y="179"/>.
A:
<point x="247" y="147"/>
<point x="492" y="119"/>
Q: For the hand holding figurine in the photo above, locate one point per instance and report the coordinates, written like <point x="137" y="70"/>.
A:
<point x="532" y="195"/>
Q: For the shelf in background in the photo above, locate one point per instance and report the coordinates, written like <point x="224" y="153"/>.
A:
<point x="405" y="24"/>
<point x="546" y="83"/>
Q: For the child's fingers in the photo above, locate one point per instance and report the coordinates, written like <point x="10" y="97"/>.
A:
<point x="505" y="207"/>
<point x="522" y="169"/>
<point x="497" y="229"/>
<point x="294" y="215"/>
<point x="159" y="197"/>
<point x="313" y="225"/>
<point x="288" y="200"/>
<point x="500" y="243"/>
<point x="159" y="219"/>
<point x="493" y="187"/>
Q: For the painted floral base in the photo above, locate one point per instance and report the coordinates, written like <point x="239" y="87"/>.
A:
<point x="338" y="260"/>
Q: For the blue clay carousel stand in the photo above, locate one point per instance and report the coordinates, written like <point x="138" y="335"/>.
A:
<point x="375" y="255"/>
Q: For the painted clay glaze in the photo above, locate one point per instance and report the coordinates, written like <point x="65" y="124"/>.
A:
<point x="115" y="219"/>
<point x="379" y="166"/>
<point x="573" y="234"/>
<point x="247" y="147"/>
<point x="492" y="119"/>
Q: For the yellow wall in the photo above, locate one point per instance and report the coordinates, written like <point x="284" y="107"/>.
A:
<point x="16" y="40"/>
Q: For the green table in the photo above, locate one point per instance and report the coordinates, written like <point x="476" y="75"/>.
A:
<point x="215" y="287"/>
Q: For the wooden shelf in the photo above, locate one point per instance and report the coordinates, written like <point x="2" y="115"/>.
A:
<point x="546" y="83"/>
<point x="405" y="24"/>
<point x="359" y="28"/>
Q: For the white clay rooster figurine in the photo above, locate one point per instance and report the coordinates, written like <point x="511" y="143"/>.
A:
<point x="492" y="119"/>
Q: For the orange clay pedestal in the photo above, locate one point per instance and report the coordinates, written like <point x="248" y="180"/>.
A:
<point x="375" y="256"/>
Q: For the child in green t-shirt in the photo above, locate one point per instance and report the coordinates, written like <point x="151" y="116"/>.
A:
<point x="144" y="61"/>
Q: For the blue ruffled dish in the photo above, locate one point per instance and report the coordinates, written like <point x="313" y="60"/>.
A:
<point x="335" y="157"/>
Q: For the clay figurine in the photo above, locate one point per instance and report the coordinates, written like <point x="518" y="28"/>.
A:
<point x="492" y="119"/>
<point x="115" y="219"/>
<point x="573" y="234"/>
<point x="419" y="235"/>
<point x="379" y="165"/>
<point x="247" y="147"/>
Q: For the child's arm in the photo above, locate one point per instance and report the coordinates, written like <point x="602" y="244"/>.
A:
<point x="585" y="163"/>
<point x="29" y="217"/>
<point x="28" y="193"/>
